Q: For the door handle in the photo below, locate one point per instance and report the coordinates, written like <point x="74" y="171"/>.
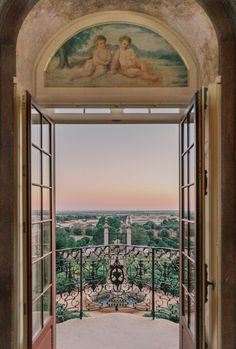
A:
<point x="207" y="283"/>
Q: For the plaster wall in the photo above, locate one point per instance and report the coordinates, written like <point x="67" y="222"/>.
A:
<point x="233" y="2"/>
<point x="186" y="17"/>
<point x="2" y="4"/>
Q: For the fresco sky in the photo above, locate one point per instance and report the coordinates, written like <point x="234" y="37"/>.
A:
<point x="107" y="167"/>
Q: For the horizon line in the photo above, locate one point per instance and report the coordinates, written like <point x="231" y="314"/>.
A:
<point x="120" y="210"/>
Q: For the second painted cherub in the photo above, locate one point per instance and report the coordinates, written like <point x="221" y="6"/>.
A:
<point x="126" y="62"/>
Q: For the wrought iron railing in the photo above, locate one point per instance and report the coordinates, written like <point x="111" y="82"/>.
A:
<point x="119" y="276"/>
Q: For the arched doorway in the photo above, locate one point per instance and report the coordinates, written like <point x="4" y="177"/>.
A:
<point x="221" y="17"/>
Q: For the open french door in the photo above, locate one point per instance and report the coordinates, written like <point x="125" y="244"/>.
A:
<point x="191" y="226"/>
<point x="41" y="221"/>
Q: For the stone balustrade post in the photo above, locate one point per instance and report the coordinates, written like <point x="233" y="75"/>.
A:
<point x="106" y="234"/>
<point x="129" y="234"/>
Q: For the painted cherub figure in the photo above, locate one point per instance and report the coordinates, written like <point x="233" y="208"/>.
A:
<point x="99" y="63"/>
<point x="125" y="62"/>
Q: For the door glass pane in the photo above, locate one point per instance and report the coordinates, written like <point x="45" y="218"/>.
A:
<point x="46" y="170"/>
<point x="185" y="271"/>
<point x="185" y="134"/>
<point x="186" y="237"/>
<point x="36" y="241"/>
<point x="191" y="166"/>
<point x="192" y="235"/>
<point x="185" y="203"/>
<point x="36" y="204"/>
<point x="191" y="126"/>
<point x="36" y="166"/>
<point x="37" y="317"/>
<point x="191" y="278"/>
<point x="185" y="305"/>
<point x="46" y="204"/>
<point x="36" y="127"/>
<point x="47" y="271"/>
<point x="47" y="301"/>
<point x="36" y="279"/>
<point x="46" y="237"/>
<point x="46" y="136"/>
<point x="192" y="315"/>
<point x="185" y="169"/>
<point x="192" y="202"/>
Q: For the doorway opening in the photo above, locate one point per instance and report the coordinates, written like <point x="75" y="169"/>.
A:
<point x="112" y="260"/>
<point x="165" y="72"/>
<point x="117" y="200"/>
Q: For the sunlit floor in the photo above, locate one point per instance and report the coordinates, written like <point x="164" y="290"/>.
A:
<point x="117" y="331"/>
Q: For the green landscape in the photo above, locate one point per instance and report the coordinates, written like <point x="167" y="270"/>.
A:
<point x="74" y="229"/>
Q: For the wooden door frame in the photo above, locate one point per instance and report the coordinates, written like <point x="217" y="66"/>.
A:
<point x="198" y="339"/>
<point x="30" y="102"/>
<point x="221" y="13"/>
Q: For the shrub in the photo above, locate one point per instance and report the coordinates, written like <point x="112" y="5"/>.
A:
<point x="171" y="313"/>
<point x="62" y="314"/>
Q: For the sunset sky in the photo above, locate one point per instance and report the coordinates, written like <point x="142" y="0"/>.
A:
<point x="107" y="167"/>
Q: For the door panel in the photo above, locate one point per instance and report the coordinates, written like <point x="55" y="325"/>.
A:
<point x="191" y="198"/>
<point x="45" y="339"/>
<point x="41" y="240"/>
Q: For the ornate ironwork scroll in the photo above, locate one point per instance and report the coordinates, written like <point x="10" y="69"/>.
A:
<point x="118" y="276"/>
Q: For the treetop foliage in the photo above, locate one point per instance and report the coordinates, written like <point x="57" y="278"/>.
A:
<point x="165" y="234"/>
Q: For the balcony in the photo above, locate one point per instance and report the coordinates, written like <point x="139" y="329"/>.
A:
<point x="122" y="286"/>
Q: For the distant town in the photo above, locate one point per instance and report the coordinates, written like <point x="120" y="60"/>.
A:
<point x="151" y="228"/>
